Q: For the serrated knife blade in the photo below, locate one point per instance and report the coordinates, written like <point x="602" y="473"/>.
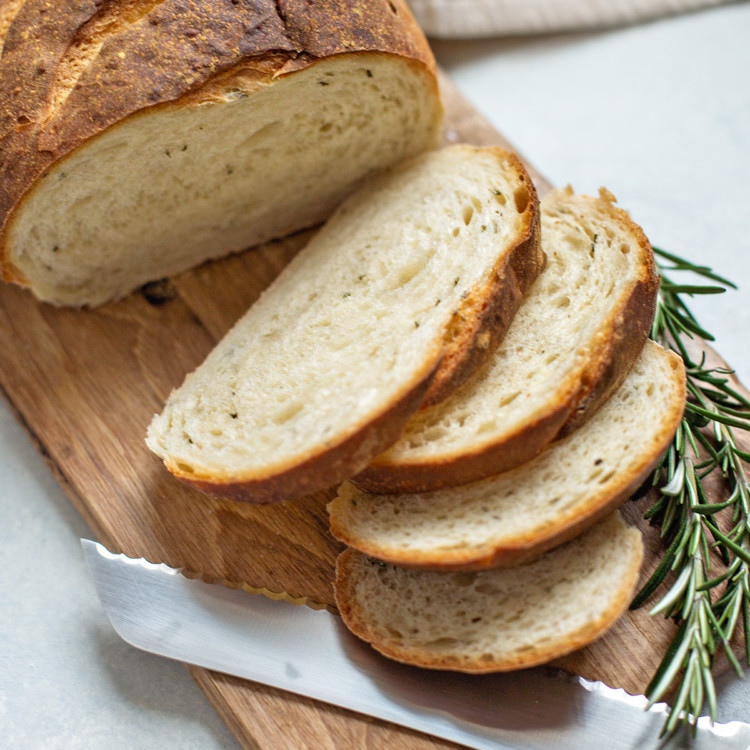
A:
<point x="309" y="652"/>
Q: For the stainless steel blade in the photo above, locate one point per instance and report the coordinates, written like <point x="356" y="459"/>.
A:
<point x="292" y="647"/>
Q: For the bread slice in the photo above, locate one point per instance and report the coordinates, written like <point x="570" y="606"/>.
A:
<point x="410" y="284"/>
<point x="142" y="138"/>
<point x="521" y="513"/>
<point x="574" y="339"/>
<point x="493" y="620"/>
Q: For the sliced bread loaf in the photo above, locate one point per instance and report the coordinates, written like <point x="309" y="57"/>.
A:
<point x="523" y="512"/>
<point x="493" y="620"/>
<point x="402" y="293"/>
<point x="576" y="335"/>
<point x="139" y="138"/>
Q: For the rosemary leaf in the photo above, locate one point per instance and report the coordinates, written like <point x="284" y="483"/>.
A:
<point x="685" y="265"/>
<point x="707" y="608"/>
<point x="690" y="289"/>
<point x="657" y="577"/>
<point x="722" y="417"/>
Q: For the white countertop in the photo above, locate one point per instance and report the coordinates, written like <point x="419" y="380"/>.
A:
<point x="659" y="113"/>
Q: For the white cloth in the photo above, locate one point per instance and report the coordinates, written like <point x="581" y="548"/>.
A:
<point x="465" y="19"/>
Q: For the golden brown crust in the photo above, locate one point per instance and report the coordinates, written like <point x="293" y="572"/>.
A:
<point x="537" y="541"/>
<point x="8" y="11"/>
<point x="404" y="478"/>
<point x="483" y="319"/>
<point x="346" y="602"/>
<point x="616" y="348"/>
<point x="620" y="344"/>
<point x="159" y="52"/>
<point x="330" y="464"/>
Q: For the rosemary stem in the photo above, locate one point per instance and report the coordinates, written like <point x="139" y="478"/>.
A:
<point x="707" y="608"/>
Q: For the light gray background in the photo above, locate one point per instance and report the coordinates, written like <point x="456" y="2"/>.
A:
<point x="659" y="113"/>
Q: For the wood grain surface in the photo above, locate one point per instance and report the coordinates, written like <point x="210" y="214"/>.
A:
<point x="85" y="384"/>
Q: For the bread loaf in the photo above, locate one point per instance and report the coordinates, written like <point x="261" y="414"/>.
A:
<point x="493" y="620"/>
<point x="575" y="337"/>
<point x="521" y="513"/>
<point x="402" y="293"/>
<point x="140" y="138"/>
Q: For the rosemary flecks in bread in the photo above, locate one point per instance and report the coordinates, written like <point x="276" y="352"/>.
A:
<point x="417" y="272"/>
<point x="576" y="335"/>
<point x="493" y="620"/>
<point x="520" y="513"/>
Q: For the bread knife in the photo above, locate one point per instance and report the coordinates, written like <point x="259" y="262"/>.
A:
<point x="309" y="652"/>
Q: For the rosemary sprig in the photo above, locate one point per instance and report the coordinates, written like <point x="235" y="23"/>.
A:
<point x="706" y="604"/>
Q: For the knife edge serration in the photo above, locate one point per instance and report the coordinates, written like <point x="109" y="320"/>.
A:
<point x="154" y="609"/>
<point x="100" y="549"/>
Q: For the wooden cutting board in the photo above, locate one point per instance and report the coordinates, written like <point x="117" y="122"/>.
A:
<point x="85" y="384"/>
